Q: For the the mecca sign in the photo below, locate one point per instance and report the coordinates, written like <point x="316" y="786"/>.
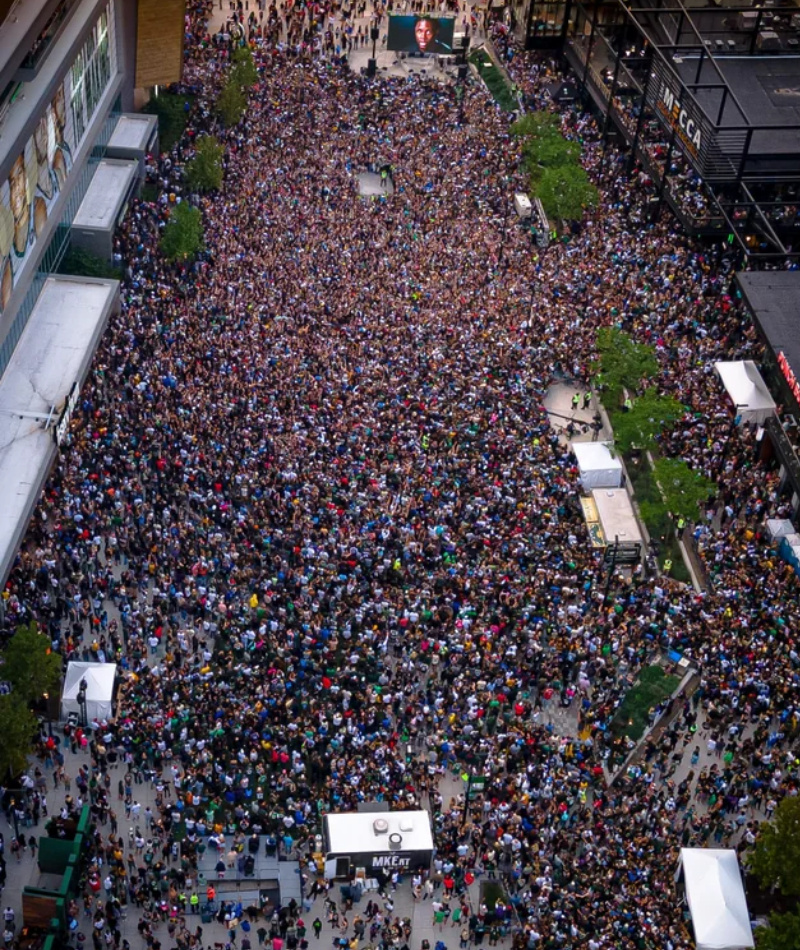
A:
<point x="61" y="428"/>
<point x="687" y="129"/>
<point x="679" y="112"/>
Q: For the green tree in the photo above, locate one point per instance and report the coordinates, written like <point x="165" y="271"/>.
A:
<point x="684" y="489"/>
<point x="18" y="726"/>
<point x="204" y="171"/>
<point x="775" y="859"/>
<point x="781" y="933"/>
<point x="543" y="145"/>
<point x="244" y="71"/>
<point x="231" y="103"/>
<point x="173" y="114"/>
<point x="183" y="236"/>
<point x="30" y="664"/>
<point x="623" y="364"/>
<point x="566" y="192"/>
<point x="650" y="415"/>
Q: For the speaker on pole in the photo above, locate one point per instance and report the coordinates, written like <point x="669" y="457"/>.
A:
<point x="374" y="33"/>
<point x="462" y="72"/>
<point x="372" y="67"/>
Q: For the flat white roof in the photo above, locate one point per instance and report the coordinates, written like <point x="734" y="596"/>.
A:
<point x="353" y="832"/>
<point x="107" y="191"/>
<point x="132" y="131"/>
<point x="595" y="455"/>
<point x="54" y="352"/>
<point x="616" y="514"/>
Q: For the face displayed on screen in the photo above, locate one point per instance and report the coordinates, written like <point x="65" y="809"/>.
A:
<point x="420" y="34"/>
<point x="425" y="33"/>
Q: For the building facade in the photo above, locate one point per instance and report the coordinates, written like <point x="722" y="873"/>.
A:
<point x="703" y="101"/>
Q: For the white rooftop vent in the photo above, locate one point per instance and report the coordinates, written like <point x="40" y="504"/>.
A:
<point x="395" y="842"/>
<point x="380" y="826"/>
<point x="406" y="824"/>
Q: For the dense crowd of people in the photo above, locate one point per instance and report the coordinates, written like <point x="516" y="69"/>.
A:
<point x="314" y="508"/>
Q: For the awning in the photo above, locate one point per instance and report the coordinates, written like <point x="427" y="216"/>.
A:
<point x="716" y="899"/>
<point x="747" y="390"/>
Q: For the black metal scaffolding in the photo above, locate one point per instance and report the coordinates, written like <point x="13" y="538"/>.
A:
<point x="677" y="88"/>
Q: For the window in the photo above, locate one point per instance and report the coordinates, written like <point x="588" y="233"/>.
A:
<point x="90" y="74"/>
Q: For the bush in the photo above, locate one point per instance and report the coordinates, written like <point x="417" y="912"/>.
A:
<point x="632" y="716"/>
<point x="81" y="263"/>
<point x="494" y="80"/>
<point x="183" y="236"/>
<point x="173" y="115"/>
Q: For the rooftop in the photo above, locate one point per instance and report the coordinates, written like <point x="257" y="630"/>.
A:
<point x="107" y="192"/>
<point x="768" y="89"/>
<point x="774" y="299"/>
<point x="54" y="352"/>
<point x="132" y="131"/>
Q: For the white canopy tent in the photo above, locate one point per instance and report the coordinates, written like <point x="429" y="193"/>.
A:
<point x="747" y="390"/>
<point x="99" y="689"/>
<point x="597" y="465"/>
<point x="716" y="899"/>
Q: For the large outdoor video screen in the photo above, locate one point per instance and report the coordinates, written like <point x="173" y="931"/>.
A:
<point x="421" y="34"/>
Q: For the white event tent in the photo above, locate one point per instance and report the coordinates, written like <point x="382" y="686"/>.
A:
<point x="597" y="465"/>
<point x="99" y="689"/>
<point x="716" y="898"/>
<point x="747" y="390"/>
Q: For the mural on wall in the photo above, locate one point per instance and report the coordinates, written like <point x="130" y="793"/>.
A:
<point x="26" y="197"/>
<point x="37" y="176"/>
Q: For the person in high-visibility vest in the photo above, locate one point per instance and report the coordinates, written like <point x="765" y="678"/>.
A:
<point x="667" y="566"/>
<point x="576" y="401"/>
<point x="194" y="903"/>
<point x="681" y="526"/>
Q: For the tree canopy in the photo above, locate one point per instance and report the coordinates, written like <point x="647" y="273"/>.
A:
<point x="244" y="72"/>
<point x="647" y="418"/>
<point x="17" y="727"/>
<point x="781" y="933"/>
<point x="685" y="490"/>
<point x="30" y="664"/>
<point x="554" y="164"/>
<point x="204" y="171"/>
<point x="623" y="363"/>
<point x="566" y="192"/>
<point x="543" y="145"/>
<point x="182" y="239"/>
<point x="231" y="102"/>
<point x="775" y="859"/>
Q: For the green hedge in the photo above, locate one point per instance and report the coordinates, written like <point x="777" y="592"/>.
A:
<point x="81" y="263"/>
<point x="494" y="79"/>
<point x="652" y="687"/>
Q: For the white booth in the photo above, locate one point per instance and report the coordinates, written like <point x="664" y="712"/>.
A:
<point x="715" y="894"/>
<point x="597" y="465"/>
<point x="522" y="205"/>
<point x="99" y="679"/>
<point x="747" y="390"/>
